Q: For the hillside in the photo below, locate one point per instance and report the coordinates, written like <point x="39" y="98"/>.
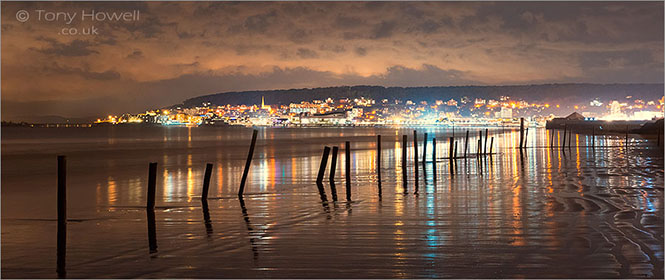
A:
<point x="553" y="93"/>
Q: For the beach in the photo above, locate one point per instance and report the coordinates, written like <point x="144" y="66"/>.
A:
<point x="545" y="212"/>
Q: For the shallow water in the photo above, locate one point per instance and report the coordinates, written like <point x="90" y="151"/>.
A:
<point x="577" y="213"/>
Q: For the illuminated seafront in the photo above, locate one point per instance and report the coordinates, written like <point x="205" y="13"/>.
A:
<point x="543" y="213"/>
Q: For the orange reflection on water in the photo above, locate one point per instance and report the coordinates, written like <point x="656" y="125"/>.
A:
<point x="168" y="186"/>
<point x="112" y="191"/>
<point x="190" y="184"/>
<point x="220" y="179"/>
<point x="271" y="172"/>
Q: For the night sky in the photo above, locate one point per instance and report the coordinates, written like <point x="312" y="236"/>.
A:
<point x="179" y="50"/>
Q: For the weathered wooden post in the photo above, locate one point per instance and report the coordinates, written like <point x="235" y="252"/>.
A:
<point x="206" y="182"/>
<point x="152" y="183"/>
<point x="487" y="134"/>
<point x="424" y="151"/>
<point x="404" y="170"/>
<point x="415" y="160"/>
<point x="451" y="148"/>
<point x="521" y="132"/>
<point x="62" y="217"/>
<point x="248" y="163"/>
<point x="491" y="143"/>
<point x="480" y="144"/>
<point x="347" y="148"/>
<point x="466" y="143"/>
<point x="322" y="171"/>
<point x="434" y="159"/>
<point x="526" y="137"/>
<point x="333" y="166"/>
<point x="455" y="151"/>
<point x="626" y="136"/>
<point x="378" y="162"/>
<point x="551" y="138"/>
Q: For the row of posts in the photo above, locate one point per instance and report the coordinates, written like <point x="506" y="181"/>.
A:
<point x="453" y="155"/>
<point x="152" y="181"/>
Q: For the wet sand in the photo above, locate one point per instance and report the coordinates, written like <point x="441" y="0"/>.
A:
<point x="579" y="213"/>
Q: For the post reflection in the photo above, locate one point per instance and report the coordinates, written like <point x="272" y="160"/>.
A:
<point x="152" y="231"/>
<point x="206" y="218"/>
<point x="250" y="229"/>
<point x="543" y="197"/>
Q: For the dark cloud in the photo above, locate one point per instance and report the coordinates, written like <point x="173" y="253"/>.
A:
<point x="260" y="23"/>
<point x="333" y="48"/>
<point x="136" y="54"/>
<point x="383" y="30"/>
<point x="306" y="53"/>
<point x="74" y="48"/>
<point x="299" y="36"/>
<point x="347" y="22"/>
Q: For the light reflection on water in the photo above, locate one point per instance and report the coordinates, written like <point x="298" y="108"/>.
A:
<point x="530" y="214"/>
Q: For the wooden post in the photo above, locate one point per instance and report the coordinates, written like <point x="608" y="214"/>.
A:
<point x="206" y="182"/>
<point x="466" y="143"/>
<point x="322" y="171"/>
<point x="424" y="151"/>
<point x="62" y="217"/>
<point x="434" y="160"/>
<point x="333" y="166"/>
<point x="526" y="136"/>
<point x="152" y="182"/>
<point x="491" y="143"/>
<point x="415" y="161"/>
<point x="378" y="161"/>
<point x="626" y="136"/>
<point x="347" y="148"/>
<point x="551" y="138"/>
<point x="593" y="136"/>
<point x="487" y="134"/>
<point x="521" y="132"/>
<point x="404" y="170"/>
<point x="451" y="148"/>
<point x="247" y="163"/>
<point x="455" y="151"/>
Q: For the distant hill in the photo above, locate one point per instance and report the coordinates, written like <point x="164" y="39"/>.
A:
<point x="52" y="119"/>
<point x="553" y="93"/>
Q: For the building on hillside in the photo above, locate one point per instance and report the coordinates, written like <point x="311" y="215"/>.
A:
<point x="326" y="119"/>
